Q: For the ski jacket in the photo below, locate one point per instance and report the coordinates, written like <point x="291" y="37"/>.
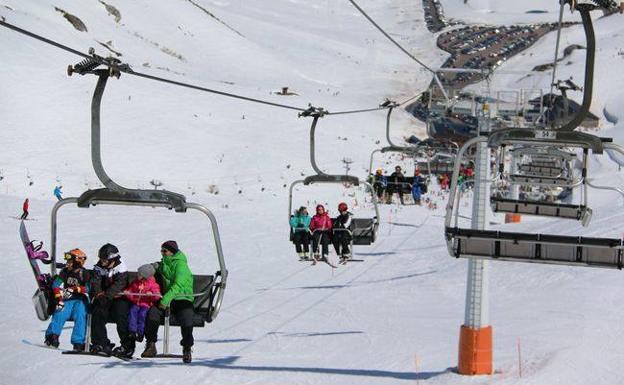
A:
<point x="379" y="179"/>
<point x="25" y="205"/>
<point x="343" y="221"/>
<point x="143" y="286"/>
<point x="77" y="281"/>
<point x="177" y="279"/>
<point x="109" y="280"/>
<point x="321" y="222"/>
<point x="416" y="191"/>
<point x="300" y="222"/>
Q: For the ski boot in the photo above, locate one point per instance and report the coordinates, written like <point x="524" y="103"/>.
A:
<point x="150" y="350"/>
<point x="79" y="347"/>
<point x="52" y="340"/>
<point x="186" y="355"/>
<point x="123" y="351"/>
<point x="101" y="350"/>
<point x="301" y="256"/>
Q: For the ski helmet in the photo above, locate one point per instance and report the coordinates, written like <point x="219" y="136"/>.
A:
<point x="108" y="251"/>
<point x="76" y="256"/>
<point x="342" y="207"/>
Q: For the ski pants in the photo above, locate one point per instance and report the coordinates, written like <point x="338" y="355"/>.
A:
<point x="117" y="309"/>
<point x="341" y="240"/>
<point x="379" y="189"/>
<point x="302" y="240"/>
<point x="76" y="310"/>
<point x="136" y="319"/>
<point x="24" y="214"/>
<point x="183" y="312"/>
<point x="323" y="238"/>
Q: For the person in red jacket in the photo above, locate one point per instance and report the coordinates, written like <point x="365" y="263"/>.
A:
<point x="142" y="292"/>
<point x="321" y="227"/>
<point x="25" y="209"/>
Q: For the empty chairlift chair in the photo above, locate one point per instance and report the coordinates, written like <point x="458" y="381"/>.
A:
<point x="523" y="247"/>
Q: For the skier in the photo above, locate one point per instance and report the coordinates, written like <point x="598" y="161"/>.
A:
<point x="300" y="227"/>
<point x="138" y="292"/>
<point x="379" y="182"/>
<point x="320" y="225"/>
<point x="25" y="209"/>
<point x="70" y="289"/>
<point x="444" y="182"/>
<point x="177" y="289"/>
<point x="396" y="184"/>
<point x="58" y="192"/>
<point x="110" y="278"/>
<point x="416" y="193"/>
<point x="341" y="237"/>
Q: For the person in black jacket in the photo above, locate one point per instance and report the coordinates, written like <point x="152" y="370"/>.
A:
<point x="110" y="278"/>
<point x="342" y="238"/>
<point x="394" y="184"/>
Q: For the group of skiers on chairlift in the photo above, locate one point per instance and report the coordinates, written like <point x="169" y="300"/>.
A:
<point x="136" y="307"/>
<point x="386" y="186"/>
<point x="321" y="230"/>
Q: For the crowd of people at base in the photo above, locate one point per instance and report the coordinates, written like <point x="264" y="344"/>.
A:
<point x="137" y="307"/>
<point x="320" y="231"/>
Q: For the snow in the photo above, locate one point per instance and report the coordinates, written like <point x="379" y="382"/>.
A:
<point x="393" y="318"/>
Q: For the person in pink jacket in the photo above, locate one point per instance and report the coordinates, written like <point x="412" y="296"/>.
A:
<point x="142" y="292"/>
<point x="321" y="227"/>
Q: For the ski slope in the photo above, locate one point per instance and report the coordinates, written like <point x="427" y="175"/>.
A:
<point x="391" y="319"/>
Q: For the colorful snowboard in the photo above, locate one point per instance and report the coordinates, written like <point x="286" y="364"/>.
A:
<point x="42" y="299"/>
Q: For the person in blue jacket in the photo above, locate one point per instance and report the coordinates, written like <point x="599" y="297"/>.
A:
<point x="70" y="289"/>
<point x="57" y="192"/>
<point x="300" y="230"/>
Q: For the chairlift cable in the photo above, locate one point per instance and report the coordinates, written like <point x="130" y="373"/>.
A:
<point x="435" y="75"/>
<point x="128" y="70"/>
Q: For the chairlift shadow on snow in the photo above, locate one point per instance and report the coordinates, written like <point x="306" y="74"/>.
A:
<point x="228" y="363"/>
<point x="315" y="334"/>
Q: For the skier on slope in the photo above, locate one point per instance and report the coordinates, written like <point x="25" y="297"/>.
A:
<point x="58" y="192"/>
<point x="110" y="277"/>
<point x="70" y="289"/>
<point x="300" y="227"/>
<point x="341" y="238"/>
<point x="177" y="289"/>
<point x="320" y="225"/>
<point x="25" y="209"/>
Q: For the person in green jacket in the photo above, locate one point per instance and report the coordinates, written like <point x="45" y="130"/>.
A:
<point x="300" y="232"/>
<point x="176" y="284"/>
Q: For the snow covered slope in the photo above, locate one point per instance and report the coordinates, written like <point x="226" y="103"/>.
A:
<point x="393" y="318"/>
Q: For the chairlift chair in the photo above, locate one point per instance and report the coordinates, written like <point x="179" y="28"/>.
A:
<point x="363" y="231"/>
<point x="208" y="289"/>
<point x="523" y="247"/>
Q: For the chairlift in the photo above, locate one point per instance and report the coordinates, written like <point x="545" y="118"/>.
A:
<point x="363" y="231"/>
<point x="208" y="289"/>
<point x="523" y="247"/>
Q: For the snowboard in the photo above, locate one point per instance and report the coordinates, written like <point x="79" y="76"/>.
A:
<point x="42" y="299"/>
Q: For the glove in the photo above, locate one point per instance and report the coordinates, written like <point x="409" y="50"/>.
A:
<point x="67" y="293"/>
<point x="60" y="305"/>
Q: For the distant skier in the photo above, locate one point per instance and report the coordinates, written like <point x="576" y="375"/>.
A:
<point x="70" y="288"/>
<point x="300" y="226"/>
<point x="320" y="225"/>
<point x="25" y="209"/>
<point x="340" y="237"/>
<point x="58" y="192"/>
